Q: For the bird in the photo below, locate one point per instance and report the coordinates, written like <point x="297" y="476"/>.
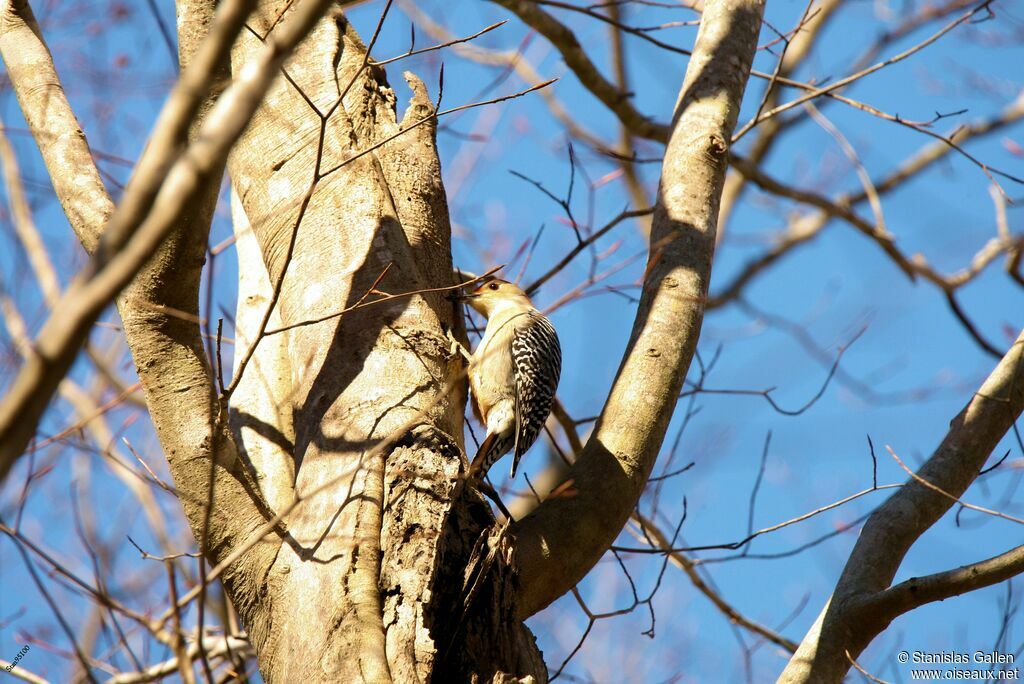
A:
<point x="513" y="373"/>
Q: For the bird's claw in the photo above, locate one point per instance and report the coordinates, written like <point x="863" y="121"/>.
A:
<point x="455" y="348"/>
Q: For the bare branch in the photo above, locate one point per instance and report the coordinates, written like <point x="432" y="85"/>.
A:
<point x="21" y="673"/>
<point x="870" y="677"/>
<point x="840" y="208"/>
<point x="917" y="591"/>
<point x="805" y="228"/>
<point x="214" y="647"/>
<point x="687" y="565"/>
<point x="579" y="247"/>
<point x="53" y="124"/>
<point x="816" y="92"/>
<point x="511" y="61"/>
<point x="24" y="226"/>
<point x="951" y="497"/>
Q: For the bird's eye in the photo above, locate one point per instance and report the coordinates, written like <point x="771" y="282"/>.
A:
<point x="494" y="286"/>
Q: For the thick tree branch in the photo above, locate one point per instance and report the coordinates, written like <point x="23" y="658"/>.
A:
<point x="99" y="283"/>
<point x="564" y="537"/>
<point x="46" y="109"/>
<point x="576" y="58"/>
<point x="170" y="357"/>
<point x="917" y="591"/>
<point x="855" y="614"/>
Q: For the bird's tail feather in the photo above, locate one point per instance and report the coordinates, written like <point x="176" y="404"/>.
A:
<point x="515" y="462"/>
<point x="481" y="461"/>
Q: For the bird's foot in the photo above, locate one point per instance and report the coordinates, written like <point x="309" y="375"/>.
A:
<point x="455" y="347"/>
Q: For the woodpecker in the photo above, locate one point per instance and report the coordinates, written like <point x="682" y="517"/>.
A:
<point x="513" y="373"/>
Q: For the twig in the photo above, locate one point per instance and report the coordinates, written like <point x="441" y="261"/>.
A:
<point x="383" y="299"/>
<point x="934" y="488"/>
<point x="773" y="528"/>
<point x="439" y="46"/>
<point x="864" y="672"/>
<point x="21" y="673"/>
<point x="236" y="646"/>
<point x="437" y="115"/>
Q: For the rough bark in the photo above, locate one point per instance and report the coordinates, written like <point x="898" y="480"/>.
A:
<point x="368" y="584"/>
<point x="564" y="537"/>
<point x="863" y="604"/>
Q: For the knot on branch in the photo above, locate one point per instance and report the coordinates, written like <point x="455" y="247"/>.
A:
<point x="717" y="146"/>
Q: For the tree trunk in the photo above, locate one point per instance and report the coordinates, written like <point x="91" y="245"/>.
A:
<point x="367" y="584"/>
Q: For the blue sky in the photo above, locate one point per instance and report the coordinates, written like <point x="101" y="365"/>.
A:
<point x="116" y="75"/>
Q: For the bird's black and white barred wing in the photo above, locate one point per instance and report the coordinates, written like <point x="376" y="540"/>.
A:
<point x="537" y="361"/>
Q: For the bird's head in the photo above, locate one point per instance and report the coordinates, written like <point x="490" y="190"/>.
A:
<point x="495" y="293"/>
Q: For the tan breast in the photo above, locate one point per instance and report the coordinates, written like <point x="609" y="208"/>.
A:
<point x="491" y="372"/>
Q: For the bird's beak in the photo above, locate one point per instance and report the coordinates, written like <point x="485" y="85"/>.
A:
<point x="455" y="297"/>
